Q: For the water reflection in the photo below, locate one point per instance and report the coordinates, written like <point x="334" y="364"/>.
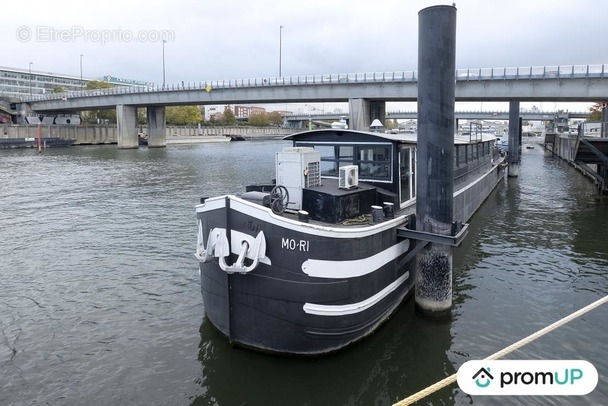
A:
<point x="404" y="356"/>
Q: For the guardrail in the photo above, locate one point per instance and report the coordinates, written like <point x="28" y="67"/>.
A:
<point x="593" y="130"/>
<point x="390" y="114"/>
<point x="522" y="110"/>
<point x="478" y="74"/>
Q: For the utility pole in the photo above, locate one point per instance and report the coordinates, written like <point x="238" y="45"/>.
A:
<point x="164" y="62"/>
<point x="31" y="63"/>
<point x="81" y="82"/>
<point x="280" y="47"/>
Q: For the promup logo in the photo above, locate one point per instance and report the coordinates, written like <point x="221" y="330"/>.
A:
<point x="483" y="378"/>
<point x="554" y="377"/>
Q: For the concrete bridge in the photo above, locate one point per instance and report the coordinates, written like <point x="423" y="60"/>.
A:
<point x="366" y="93"/>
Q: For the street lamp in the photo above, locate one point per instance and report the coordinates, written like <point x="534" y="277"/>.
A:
<point x="164" y="62"/>
<point x="81" y="82"/>
<point x="310" y="110"/>
<point x="280" y="47"/>
<point x="31" y="79"/>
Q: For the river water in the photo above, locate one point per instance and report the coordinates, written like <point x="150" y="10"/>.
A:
<point x="100" y="297"/>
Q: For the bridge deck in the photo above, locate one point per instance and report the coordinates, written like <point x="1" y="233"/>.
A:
<point x="574" y="83"/>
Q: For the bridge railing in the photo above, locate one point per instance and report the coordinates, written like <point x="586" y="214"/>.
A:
<point x="593" y="130"/>
<point x="534" y="72"/>
<point x="478" y="74"/>
<point x="540" y="115"/>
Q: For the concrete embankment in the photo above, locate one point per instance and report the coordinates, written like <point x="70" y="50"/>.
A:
<point x="107" y="134"/>
<point x="198" y="139"/>
<point x="588" y="159"/>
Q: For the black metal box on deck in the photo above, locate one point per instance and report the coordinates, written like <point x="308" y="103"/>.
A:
<point x="329" y="204"/>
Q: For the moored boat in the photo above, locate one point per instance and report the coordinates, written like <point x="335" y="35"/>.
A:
<point x="142" y="139"/>
<point x="320" y="258"/>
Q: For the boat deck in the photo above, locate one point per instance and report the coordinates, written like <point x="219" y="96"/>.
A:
<point x="361" y="220"/>
<point x="328" y="205"/>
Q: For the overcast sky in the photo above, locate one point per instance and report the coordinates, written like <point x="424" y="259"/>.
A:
<point x="233" y="39"/>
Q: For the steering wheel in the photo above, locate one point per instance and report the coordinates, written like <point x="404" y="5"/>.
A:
<point x="279" y="199"/>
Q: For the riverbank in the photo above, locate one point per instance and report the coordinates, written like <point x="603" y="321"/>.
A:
<point x="177" y="140"/>
<point x="201" y="139"/>
<point x="108" y="134"/>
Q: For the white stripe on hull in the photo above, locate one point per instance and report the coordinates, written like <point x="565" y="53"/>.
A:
<point x="343" y="310"/>
<point x="358" y="267"/>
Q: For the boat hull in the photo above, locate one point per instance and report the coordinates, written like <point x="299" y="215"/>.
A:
<point x="276" y="282"/>
<point x="318" y="289"/>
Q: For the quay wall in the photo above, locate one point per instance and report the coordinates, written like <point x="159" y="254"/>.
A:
<point x="224" y="131"/>
<point x="108" y="134"/>
<point x="564" y="146"/>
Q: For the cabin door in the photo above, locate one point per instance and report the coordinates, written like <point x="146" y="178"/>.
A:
<point x="407" y="174"/>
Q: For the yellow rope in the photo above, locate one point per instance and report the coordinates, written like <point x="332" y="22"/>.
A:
<point x="452" y="378"/>
<point x="355" y="221"/>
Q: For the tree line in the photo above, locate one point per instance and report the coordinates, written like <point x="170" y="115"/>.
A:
<point x="595" y="111"/>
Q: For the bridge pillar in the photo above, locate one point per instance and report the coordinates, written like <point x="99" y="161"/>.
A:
<point x="363" y="112"/>
<point x="22" y="110"/>
<point x="126" y="123"/>
<point x="604" y="119"/>
<point x="377" y="110"/>
<point x="513" y="158"/>
<point x="157" y="127"/>
<point x="359" y="114"/>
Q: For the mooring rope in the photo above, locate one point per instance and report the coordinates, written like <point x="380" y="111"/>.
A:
<point x="356" y="221"/>
<point x="452" y="378"/>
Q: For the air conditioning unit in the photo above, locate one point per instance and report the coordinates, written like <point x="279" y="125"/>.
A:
<point x="349" y="177"/>
<point x="298" y="168"/>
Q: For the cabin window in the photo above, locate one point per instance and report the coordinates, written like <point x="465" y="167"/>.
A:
<point x="329" y="165"/>
<point x="333" y="157"/>
<point x="407" y="173"/>
<point x="374" y="162"/>
<point x="462" y="152"/>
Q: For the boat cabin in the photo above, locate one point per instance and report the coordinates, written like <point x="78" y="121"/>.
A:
<point x="336" y="174"/>
<point x="384" y="161"/>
